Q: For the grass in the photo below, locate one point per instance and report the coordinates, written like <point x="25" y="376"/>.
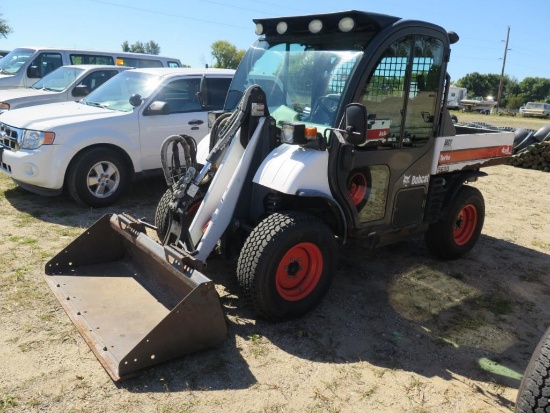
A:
<point x="496" y="120"/>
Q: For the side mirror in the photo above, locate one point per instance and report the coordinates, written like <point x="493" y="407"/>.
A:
<point x="135" y="99"/>
<point x="356" y="123"/>
<point x="33" y="72"/>
<point x="80" y="91"/>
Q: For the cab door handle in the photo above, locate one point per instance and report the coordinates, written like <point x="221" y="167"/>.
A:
<point x="195" y="122"/>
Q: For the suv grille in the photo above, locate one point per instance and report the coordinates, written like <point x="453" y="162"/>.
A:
<point x="9" y="136"/>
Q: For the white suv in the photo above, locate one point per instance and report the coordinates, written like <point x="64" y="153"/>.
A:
<point x="96" y="146"/>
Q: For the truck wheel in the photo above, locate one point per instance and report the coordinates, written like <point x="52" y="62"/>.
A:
<point x="163" y="210"/>
<point x="455" y="235"/>
<point x="533" y="390"/>
<point x="287" y="264"/>
<point x="97" y="177"/>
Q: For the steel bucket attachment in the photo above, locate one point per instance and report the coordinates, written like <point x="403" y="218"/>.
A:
<point x="134" y="302"/>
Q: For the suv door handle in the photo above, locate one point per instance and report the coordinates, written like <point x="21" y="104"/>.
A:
<point x="195" y="122"/>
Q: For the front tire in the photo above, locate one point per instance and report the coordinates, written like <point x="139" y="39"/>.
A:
<point x="162" y="218"/>
<point x="287" y="264"/>
<point x="97" y="177"/>
<point x="456" y="234"/>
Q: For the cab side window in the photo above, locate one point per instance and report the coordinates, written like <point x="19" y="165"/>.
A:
<point x="217" y="88"/>
<point x="181" y="96"/>
<point x="44" y="64"/>
<point x="401" y="93"/>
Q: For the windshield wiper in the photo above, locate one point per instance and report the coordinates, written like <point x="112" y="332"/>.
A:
<point x="97" y="105"/>
<point x="5" y="72"/>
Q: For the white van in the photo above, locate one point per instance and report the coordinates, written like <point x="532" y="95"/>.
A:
<point x="536" y="110"/>
<point x="23" y="66"/>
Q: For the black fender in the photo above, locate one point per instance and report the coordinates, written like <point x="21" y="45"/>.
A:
<point x="456" y="180"/>
<point x="328" y="205"/>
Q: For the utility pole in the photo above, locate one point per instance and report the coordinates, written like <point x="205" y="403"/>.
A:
<point x="502" y="73"/>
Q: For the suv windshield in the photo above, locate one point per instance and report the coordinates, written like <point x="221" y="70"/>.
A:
<point x="14" y="61"/>
<point x="59" y="79"/>
<point x="302" y="83"/>
<point x="116" y="92"/>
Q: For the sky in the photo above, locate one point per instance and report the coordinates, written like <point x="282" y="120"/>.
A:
<point x="187" y="29"/>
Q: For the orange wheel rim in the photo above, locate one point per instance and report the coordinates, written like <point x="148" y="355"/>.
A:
<point x="299" y="271"/>
<point x="465" y="225"/>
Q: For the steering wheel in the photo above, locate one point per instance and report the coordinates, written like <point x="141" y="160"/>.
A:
<point x="325" y="109"/>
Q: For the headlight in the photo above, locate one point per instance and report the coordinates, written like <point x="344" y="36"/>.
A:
<point x="33" y="139"/>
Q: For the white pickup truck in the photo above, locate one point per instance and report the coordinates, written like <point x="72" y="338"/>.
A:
<point x="63" y="84"/>
<point x="96" y="146"/>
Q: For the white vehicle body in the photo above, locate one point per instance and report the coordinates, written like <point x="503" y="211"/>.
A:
<point x="536" y="110"/>
<point x="136" y="133"/>
<point x="59" y="86"/>
<point x="456" y="94"/>
<point x="23" y="66"/>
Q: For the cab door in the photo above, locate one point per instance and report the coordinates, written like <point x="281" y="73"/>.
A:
<point x="383" y="182"/>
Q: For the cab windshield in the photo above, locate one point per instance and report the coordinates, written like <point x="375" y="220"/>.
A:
<point x="301" y="83"/>
<point x="116" y="92"/>
<point x="14" y="61"/>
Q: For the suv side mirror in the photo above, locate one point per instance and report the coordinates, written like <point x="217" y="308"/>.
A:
<point x="356" y="123"/>
<point x="33" y="72"/>
<point x="135" y="99"/>
<point x="80" y="91"/>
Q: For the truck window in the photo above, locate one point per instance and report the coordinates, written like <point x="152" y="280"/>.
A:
<point x="217" y="91"/>
<point x="44" y="64"/>
<point x="96" y="79"/>
<point x="87" y="59"/>
<point x="181" y="95"/>
<point x="135" y="62"/>
<point x="401" y="93"/>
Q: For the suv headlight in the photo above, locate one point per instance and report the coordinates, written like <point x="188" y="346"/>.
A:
<point x="33" y="139"/>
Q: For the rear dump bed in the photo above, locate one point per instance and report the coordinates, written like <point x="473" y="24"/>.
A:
<point x="472" y="148"/>
<point x="133" y="303"/>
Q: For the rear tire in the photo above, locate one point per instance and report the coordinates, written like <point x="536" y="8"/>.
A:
<point x="287" y="264"/>
<point x="533" y="395"/>
<point x="97" y="177"/>
<point x="456" y="234"/>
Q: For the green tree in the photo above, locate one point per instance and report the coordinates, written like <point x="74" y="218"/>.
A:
<point x="226" y="54"/>
<point x="4" y="28"/>
<point x="535" y="89"/>
<point x="150" y="47"/>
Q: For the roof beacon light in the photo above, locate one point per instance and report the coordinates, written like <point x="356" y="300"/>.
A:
<point x="282" y="27"/>
<point x="259" y="28"/>
<point x="346" y="24"/>
<point x="315" y="26"/>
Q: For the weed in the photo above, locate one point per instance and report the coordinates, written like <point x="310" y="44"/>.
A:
<point x="258" y="345"/>
<point x="7" y="402"/>
<point x="369" y="392"/>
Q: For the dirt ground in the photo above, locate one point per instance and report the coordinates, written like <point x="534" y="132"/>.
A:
<point x="398" y="331"/>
